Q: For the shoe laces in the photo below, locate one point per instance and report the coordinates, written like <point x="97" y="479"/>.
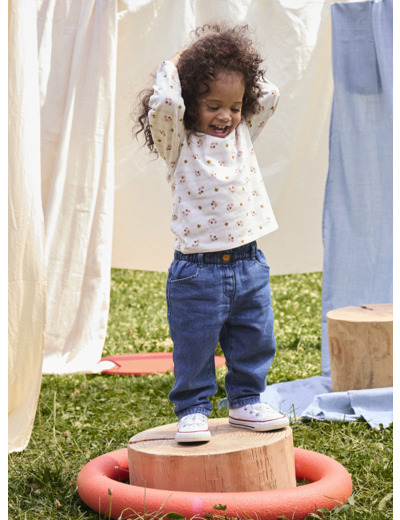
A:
<point x="193" y="419"/>
<point x="259" y="409"/>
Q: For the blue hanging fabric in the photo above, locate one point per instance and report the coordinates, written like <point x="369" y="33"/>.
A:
<point x="358" y="219"/>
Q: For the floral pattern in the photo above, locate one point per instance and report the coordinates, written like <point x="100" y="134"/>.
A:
<point x="216" y="183"/>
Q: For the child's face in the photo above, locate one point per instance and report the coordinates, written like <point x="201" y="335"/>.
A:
<point x="220" y="109"/>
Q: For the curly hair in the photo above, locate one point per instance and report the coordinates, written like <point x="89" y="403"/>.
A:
<point x="217" y="49"/>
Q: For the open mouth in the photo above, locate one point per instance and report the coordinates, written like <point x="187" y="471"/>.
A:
<point x="219" y="131"/>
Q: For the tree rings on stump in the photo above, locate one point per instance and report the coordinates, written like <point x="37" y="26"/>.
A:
<point x="235" y="459"/>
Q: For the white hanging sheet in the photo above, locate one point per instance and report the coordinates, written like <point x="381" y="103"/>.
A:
<point x="61" y="164"/>
<point x="294" y="37"/>
<point x="77" y="63"/>
<point x="26" y="261"/>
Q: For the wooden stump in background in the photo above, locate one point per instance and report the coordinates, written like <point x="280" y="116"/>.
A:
<point x="361" y="347"/>
<point x="234" y="459"/>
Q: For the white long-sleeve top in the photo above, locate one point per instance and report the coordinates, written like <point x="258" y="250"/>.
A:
<point x="219" y="198"/>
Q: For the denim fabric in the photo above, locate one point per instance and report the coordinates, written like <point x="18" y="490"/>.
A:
<point x="219" y="297"/>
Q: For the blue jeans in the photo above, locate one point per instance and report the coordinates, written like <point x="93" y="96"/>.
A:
<point x="219" y="297"/>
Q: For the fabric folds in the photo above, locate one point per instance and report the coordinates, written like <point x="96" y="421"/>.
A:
<point x="77" y="60"/>
<point x="61" y="181"/>
<point x="26" y="258"/>
<point x="358" y="206"/>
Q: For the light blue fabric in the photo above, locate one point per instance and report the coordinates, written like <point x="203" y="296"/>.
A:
<point x="293" y="398"/>
<point x="375" y="406"/>
<point x="357" y="219"/>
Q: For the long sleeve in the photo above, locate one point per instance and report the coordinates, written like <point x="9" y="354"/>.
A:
<point x="166" y="113"/>
<point x="219" y="198"/>
<point x="268" y="101"/>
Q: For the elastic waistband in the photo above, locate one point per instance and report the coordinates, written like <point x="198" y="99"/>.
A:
<point x="229" y="256"/>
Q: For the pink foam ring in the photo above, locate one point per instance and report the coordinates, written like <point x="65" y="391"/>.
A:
<point x="100" y="487"/>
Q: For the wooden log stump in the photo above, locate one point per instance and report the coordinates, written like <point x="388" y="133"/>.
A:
<point x="234" y="459"/>
<point x="361" y="347"/>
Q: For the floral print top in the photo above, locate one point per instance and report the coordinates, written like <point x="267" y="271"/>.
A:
<point x="219" y="198"/>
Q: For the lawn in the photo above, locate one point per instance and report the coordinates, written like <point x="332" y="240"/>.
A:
<point x="83" y="416"/>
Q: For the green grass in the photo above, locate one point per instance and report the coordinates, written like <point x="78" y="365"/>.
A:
<point x="83" y="416"/>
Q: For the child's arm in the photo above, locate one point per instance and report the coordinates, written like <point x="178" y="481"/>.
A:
<point x="268" y="101"/>
<point x="166" y="112"/>
<point x="175" y="59"/>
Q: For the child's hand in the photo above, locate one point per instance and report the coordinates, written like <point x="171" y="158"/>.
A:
<point x="175" y="59"/>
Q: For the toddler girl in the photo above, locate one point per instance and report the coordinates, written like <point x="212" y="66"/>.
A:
<point x="208" y="105"/>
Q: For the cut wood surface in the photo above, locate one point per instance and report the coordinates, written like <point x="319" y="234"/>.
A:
<point x="235" y="459"/>
<point x="361" y="347"/>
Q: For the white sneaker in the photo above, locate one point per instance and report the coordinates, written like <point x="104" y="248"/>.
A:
<point x="193" y="428"/>
<point x="259" y="417"/>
